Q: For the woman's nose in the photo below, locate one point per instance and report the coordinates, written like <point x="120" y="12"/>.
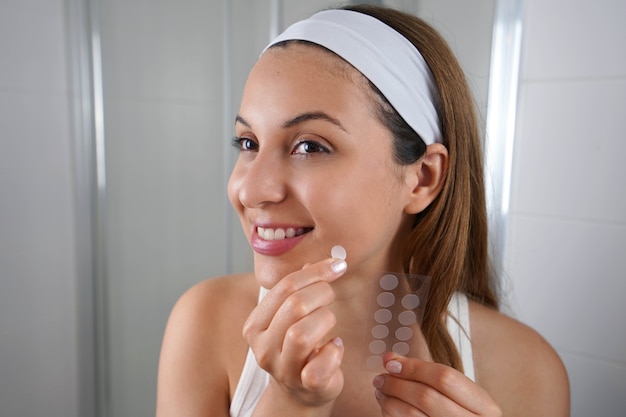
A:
<point x="259" y="181"/>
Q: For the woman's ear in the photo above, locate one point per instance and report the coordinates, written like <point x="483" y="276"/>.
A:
<point x="426" y="178"/>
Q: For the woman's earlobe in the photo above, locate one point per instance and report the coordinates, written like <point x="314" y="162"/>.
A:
<point x="429" y="174"/>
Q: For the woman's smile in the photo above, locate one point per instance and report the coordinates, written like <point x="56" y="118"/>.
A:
<point x="275" y="241"/>
<point x="280" y="233"/>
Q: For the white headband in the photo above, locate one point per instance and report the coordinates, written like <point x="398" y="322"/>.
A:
<point x="383" y="56"/>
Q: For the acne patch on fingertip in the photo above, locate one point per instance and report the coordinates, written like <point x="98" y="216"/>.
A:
<point x="395" y="314"/>
<point x="338" y="252"/>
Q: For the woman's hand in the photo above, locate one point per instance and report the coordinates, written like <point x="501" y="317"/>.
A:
<point x="418" y="388"/>
<point x="288" y="333"/>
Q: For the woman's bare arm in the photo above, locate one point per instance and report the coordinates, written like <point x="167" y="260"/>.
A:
<point x="202" y="350"/>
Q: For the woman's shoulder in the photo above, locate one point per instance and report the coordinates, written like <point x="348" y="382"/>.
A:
<point x="223" y="292"/>
<point x="216" y="304"/>
<point x="217" y="307"/>
<point x="203" y="348"/>
<point x="517" y="366"/>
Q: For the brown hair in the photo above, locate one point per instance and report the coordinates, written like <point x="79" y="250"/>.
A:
<point x="449" y="241"/>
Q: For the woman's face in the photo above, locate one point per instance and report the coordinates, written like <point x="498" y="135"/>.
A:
<point x="315" y="168"/>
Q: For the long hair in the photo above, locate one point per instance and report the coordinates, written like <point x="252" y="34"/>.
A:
<point x="449" y="240"/>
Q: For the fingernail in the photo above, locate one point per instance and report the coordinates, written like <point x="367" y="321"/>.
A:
<point x="379" y="394"/>
<point x="378" y="381"/>
<point x="338" y="341"/>
<point x="338" y="266"/>
<point x="394" y="367"/>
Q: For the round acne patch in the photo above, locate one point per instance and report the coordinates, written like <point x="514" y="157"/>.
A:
<point x="407" y="318"/>
<point x="401" y="348"/>
<point x="410" y="301"/>
<point x="404" y="333"/>
<point x="338" y="252"/>
<point x="383" y="316"/>
<point x="388" y="282"/>
<point x="380" y="331"/>
<point x="374" y="362"/>
<point x="385" y="299"/>
<point x="378" y="347"/>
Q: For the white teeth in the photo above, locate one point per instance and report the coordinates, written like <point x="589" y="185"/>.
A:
<point x="267" y="233"/>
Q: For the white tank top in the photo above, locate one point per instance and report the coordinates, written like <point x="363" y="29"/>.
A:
<point x="254" y="380"/>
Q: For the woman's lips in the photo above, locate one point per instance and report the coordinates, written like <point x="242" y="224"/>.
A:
<point x="275" y="241"/>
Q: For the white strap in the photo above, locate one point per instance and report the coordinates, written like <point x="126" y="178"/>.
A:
<point x="458" y="323"/>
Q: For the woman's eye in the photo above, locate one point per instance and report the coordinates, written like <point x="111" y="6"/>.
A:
<point x="244" y="144"/>
<point x="308" y="147"/>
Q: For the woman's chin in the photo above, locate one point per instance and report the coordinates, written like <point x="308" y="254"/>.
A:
<point x="269" y="272"/>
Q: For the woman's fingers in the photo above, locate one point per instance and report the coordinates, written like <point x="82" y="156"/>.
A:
<point x="322" y="373"/>
<point x="288" y="332"/>
<point x="290" y="316"/>
<point x="434" y="389"/>
<point x="401" y="397"/>
<point x="304" y="339"/>
<point x="395" y="407"/>
<point x="263" y="315"/>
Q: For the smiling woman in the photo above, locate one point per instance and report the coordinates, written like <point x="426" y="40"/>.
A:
<point x="383" y="157"/>
<point x="161" y="216"/>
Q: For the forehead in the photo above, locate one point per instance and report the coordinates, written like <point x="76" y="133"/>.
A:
<point x="299" y="77"/>
<point x="299" y="60"/>
<point x="328" y="59"/>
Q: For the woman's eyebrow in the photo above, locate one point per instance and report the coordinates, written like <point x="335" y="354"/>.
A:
<point x="316" y="115"/>
<point x="241" y="120"/>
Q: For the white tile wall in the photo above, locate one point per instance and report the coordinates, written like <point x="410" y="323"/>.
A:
<point x="598" y="385"/>
<point x="574" y="39"/>
<point x="166" y="209"/>
<point x="32" y="40"/>
<point x="162" y="50"/>
<point x="567" y="230"/>
<point x="568" y="279"/>
<point x="569" y="152"/>
<point x="166" y="191"/>
<point x="38" y="349"/>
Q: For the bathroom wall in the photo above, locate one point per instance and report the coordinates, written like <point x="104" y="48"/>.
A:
<point x="567" y="230"/>
<point x="39" y="360"/>
<point x="165" y="200"/>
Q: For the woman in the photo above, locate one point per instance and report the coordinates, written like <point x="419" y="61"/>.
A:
<point x="356" y="129"/>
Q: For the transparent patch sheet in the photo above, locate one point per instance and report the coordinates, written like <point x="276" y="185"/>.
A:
<point x="395" y="313"/>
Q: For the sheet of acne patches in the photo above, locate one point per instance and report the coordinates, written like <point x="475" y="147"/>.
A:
<point x="396" y="309"/>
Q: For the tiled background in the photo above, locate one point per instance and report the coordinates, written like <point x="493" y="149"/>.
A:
<point x="165" y="200"/>
<point x="38" y="349"/>
<point x="567" y="230"/>
<point x="564" y="262"/>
